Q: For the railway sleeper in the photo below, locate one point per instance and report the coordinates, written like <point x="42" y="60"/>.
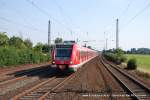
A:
<point x="27" y="98"/>
<point x="31" y="97"/>
<point x="45" y="88"/>
<point x="34" y="94"/>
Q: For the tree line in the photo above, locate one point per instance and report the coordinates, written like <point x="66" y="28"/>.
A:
<point x="14" y="51"/>
<point x="133" y="51"/>
<point x="138" y="51"/>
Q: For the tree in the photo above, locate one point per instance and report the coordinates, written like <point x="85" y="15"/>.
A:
<point x="38" y="47"/>
<point x="16" y="42"/>
<point x="133" y="50"/>
<point x="119" y="51"/>
<point x="58" y="40"/>
<point x="143" y="51"/>
<point x="3" y="39"/>
<point x="28" y="43"/>
<point x="46" y="48"/>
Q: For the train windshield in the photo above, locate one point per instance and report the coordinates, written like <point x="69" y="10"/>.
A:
<point x="63" y="52"/>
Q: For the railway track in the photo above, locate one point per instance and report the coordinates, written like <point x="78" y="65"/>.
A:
<point x="14" y="73"/>
<point x="16" y="86"/>
<point x="132" y="86"/>
<point x="47" y="89"/>
<point x="44" y="89"/>
<point x="21" y="76"/>
<point x="104" y="87"/>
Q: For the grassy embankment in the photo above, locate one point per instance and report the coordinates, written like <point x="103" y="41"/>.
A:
<point x="143" y="61"/>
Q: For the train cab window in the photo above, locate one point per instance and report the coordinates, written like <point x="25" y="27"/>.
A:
<point x="63" y="52"/>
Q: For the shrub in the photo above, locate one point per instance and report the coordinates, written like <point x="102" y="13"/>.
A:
<point x="143" y="74"/>
<point x="8" y="56"/>
<point x="115" y="57"/>
<point x="132" y="64"/>
<point x="12" y="56"/>
<point x="25" y="56"/>
<point x="38" y="57"/>
<point x="15" y="51"/>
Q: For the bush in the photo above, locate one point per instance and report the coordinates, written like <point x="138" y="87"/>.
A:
<point x="15" y="51"/>
<point x="25" y="56"/>
<point x="38" y="57"/>
<point x="12" y="56"/>
<point x="115" y="57"/>
<point x="8" y="56"/>
<point x="132" y="64"/>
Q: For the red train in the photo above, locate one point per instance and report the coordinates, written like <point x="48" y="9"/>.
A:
<point x="71" y="56"/>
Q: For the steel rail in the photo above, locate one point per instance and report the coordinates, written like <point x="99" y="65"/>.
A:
<point x="32" y="89"/>
<point x="60" y="85"/>
<point x="133" y="80"/>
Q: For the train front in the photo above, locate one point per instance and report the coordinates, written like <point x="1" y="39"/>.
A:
<point x="62" y="56"/>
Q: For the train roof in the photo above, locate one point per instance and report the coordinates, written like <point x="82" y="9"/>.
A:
<point x="69" y="44"/>
<point x="64" y="45"/>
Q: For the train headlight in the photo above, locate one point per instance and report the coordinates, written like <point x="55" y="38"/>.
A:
<point x="53" y="62"/>
<point x="71" y="62"/>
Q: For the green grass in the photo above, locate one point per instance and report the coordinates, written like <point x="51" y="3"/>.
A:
<point x="143" y="61"/>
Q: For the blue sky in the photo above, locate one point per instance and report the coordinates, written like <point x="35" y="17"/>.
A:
<point x="85" y="19"/>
